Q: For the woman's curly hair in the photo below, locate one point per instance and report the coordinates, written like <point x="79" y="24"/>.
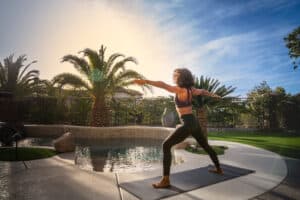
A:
<point x="185" y="78"/>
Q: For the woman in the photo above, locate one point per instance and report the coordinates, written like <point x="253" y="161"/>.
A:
<point x="183" y="90"/>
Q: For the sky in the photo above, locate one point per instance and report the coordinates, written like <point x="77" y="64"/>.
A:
<point x="240" y="43"/>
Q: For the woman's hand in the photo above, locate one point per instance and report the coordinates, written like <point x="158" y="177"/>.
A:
<point x="139" y="81"/>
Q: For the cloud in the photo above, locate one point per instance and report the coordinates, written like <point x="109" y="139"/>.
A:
<point x="238" y="57"/>
<point x="210" y="38"/>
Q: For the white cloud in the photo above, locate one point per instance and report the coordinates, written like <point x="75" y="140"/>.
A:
<point x="157" y="35"/>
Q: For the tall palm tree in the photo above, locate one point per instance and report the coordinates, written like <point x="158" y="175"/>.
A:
<point x="100" y="77"/>
<point x="202" y="103"/>
<point x="15" y="78"/>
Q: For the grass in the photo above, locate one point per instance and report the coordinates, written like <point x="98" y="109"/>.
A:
<point x="218" y="149"/>
<point x="282" y="143"/>
<point x="25" y="153"/>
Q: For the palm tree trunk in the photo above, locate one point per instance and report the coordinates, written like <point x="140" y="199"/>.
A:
<point x="100" y="113"/>
<point x="202" y="118"/>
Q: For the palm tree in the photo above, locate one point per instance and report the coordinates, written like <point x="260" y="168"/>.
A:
<point x="101" y="78"/>
<point x="203" y="102"/>
<point x="15" y="78"/>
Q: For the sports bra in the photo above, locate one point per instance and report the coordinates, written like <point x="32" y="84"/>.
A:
<point x="186" y="103"/>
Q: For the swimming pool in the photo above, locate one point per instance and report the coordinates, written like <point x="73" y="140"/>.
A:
<point x="113" y="154"/>
<point x="119" y="155"/>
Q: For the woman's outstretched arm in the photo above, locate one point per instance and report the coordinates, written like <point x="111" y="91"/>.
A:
<point x="203" y="92"/>
<point x="159" y="84"/>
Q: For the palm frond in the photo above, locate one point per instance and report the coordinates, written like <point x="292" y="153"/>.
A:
<point x="93" y="57"/>
<point x="31" y="73"/>
<point x="30" y="81"/>
<point x="25" y="68"/>
<point x="128" y="74"/>
<point x="70" y="79"/>
<point x="9" y="60"/>
<point x="80" y="64"/>
<point x="121" y="65"/>
<point x="124" y="79"/>
<point x="19" y="62"/>
<point x="213" y="86"/>
<point x="111" y="60"/>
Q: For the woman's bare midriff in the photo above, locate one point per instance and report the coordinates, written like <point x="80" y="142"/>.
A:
<point x="184" y="110"/>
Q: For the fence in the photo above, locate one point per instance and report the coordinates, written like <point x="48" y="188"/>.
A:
<point x="77" y="111"/>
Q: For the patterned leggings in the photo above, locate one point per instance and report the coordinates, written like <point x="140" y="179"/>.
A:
<point x="190" y="126"/>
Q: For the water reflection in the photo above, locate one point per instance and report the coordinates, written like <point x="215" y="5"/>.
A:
<point x="119" y="155"/>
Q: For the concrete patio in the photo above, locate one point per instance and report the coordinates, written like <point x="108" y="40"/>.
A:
<point x="59" y="178"/>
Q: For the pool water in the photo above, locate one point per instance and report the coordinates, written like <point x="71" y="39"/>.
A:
<point x="112" y="154"/>
<point x="119" y="155"/>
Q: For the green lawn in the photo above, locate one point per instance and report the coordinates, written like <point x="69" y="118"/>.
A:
<point x="218" y="149"/>
<point x="282" y="143"/>
<point x="25" y="153"/>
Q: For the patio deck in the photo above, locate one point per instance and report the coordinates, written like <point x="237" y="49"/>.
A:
<point x="58" y="178"/>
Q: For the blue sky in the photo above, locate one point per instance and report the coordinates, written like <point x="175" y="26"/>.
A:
<point x="238" y="42"/>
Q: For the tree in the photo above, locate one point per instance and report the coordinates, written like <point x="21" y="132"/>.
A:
<point x="227" y="113"/>
<point x="258" y="101"/>
<point x="277" y="101"/>
<point x="203" y="102"/>
<point x="15" y="78"/>
<point x="100" y="78"/>
<point x="291" y="112"/>
<point x="293" y="44"/>
<point x="267" y="105"/>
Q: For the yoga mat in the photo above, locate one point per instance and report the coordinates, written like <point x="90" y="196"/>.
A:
<point x="182" y="182"/>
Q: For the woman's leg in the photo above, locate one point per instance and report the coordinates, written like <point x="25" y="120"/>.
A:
<point x="180" y="133"/>
<point x="202" y="140"/>
<point x="177" y="136"/>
